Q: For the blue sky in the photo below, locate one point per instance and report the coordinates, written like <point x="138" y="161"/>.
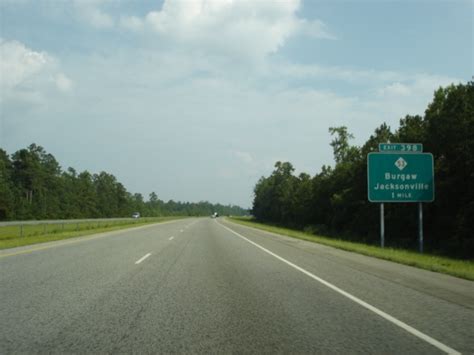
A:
<point x="196" y="100"/>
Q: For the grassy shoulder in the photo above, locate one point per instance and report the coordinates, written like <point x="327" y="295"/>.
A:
<point x="458" y="268"/>
<point x="11" y="237"/>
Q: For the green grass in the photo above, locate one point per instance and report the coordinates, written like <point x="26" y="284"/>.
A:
<point x="16" y="236"/>
<point x="458" y="268"/>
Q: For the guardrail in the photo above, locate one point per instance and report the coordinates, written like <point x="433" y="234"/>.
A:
<point x="13" y="229"/>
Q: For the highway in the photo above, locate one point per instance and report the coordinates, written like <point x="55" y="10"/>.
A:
<point x="207" y="285"/>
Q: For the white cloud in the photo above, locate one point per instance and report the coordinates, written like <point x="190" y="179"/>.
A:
<point x="19" y="63"/>
<point x="26" y="73"/>
<point x="419" y="85"/>
<point x="246" y="28"/>
<point x="395" y="89"/>
<point x="381" y="84"/>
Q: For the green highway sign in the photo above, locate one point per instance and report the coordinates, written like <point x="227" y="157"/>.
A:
<point x="401" y="147"/>
<point x="404" y="177"/>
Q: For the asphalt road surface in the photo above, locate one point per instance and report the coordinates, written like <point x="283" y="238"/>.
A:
<point x="211" y="286"/>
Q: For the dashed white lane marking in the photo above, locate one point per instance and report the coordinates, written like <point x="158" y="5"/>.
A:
<point x="143" y="258"/>
<point x="171" y="238"/>
<point x="182" y="230"/>
<point x="364" y="304"/>
<point x="85" y="239"/>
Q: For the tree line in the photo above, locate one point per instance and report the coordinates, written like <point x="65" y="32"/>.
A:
<point x="334" y="201"/>
<point x="33" y="186"/>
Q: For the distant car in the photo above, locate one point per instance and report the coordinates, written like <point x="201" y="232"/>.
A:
<point x="136" y="215"/>
<point x="215" y="215"/>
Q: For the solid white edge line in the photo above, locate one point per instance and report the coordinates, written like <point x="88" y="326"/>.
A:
<point x="170" y="238"/>
<point x="364" y="304"/>
<point x="143" y="258"/>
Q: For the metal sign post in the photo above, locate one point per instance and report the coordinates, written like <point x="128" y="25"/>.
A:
<point x="382" y="226"/>
<point x="420" y="227"/>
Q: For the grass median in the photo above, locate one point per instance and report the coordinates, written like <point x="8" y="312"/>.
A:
<point x="459" y="268"/>
<point x="27" y="234"/>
